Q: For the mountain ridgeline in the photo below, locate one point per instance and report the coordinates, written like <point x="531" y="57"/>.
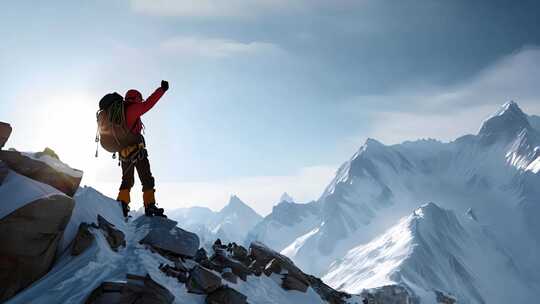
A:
<point x="484" y="188"/>
<point x="418" y="222"/>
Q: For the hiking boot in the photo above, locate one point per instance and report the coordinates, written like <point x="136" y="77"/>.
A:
<point x="125" y="208"/>
<point x="124" y="199"/>
<point x="153" y="210"/>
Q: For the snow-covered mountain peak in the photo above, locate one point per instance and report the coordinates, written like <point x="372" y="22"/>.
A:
<point x="507" y="121"/>
<point x="285" y="197"/>
<point x="236" y="205"/>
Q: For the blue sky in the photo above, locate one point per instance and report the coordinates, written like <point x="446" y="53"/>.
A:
<point x="266" y="96"/>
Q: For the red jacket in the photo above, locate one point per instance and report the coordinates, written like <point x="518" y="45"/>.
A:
<point x="135" y="109"/>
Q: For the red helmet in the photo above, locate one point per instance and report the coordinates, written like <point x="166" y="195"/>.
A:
<point x="133" y="96"/>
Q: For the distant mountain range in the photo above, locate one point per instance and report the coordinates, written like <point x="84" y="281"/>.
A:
<point x="479" y="240"/>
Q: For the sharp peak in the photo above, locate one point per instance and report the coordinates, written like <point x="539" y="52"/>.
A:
<point x="508" y="107"/>
<point x="509" y="120"/>
<point x="235" y="200"/>
<point x="428" y="208"/>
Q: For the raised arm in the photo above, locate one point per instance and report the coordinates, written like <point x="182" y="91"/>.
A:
<point x="140" y="108"/>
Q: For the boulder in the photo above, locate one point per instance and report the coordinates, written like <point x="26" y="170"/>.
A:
<point x="60" y="177"/>
<point x="136" y="290"/>
<point x="179" y="273"/>
<point x="240" y="253"/>
<point x="83" y="240"/>
<point x="291" y="282"/>
<point x="226" y="295"/>
<point x="115" y="237"/>
<point x="202" y="281"/>
<point x="263" y="255"/>
<point x="5" y="132"/>
<point x="229" y="277"/>
<point x="169" y="239"/>
<point x="29" y="238"/>
<point x="237" y="268"/>
<point x="272" y="267"/>
<point x="200" y="255"/>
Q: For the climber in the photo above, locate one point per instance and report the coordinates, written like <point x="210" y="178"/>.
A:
<point x="135" y="156"/>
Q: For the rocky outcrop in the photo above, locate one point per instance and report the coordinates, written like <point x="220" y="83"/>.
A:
<point x="29" y="237"/>
<point x="226" y="295"/>
<point x="83" y="240"/>
<point x="5" y="132"/>
<point x="167" y="239"/>
<point x="115" y="237"/>
<point x="390" y="294"/>
<point x="442" y="298"/>
<point x="202" y="281"/>
<point x="35" y="208"/>
<point x="136" y="290"/>
<point x="43" y="172"/>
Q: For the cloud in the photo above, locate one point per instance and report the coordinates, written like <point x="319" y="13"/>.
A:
<point x="215" y="47"/>
<point x="211" y="8"/>
<point x="448" y="112"/>
<point x="235" y="8"/>
<point x="260" y="192"/>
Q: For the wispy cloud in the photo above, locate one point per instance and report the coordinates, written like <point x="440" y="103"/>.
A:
<point x="233" y="8"/>
<point x="215" y="47"/>
<point x="448" y="112"/>
<point x="211" y="8"/>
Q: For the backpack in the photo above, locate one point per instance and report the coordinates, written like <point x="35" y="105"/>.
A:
<point x="113" y="134"/>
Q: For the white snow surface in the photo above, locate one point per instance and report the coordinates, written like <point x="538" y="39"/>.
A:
<point x="432" y="250"/>
<point x="494" y="172"/>
<point x="17" y="190"/>
<point x="72" y="279"/>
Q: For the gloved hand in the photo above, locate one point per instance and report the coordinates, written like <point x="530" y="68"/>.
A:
<point x="164" y="85"/>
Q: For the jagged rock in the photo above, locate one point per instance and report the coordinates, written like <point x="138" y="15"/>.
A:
<point x="226" y="295"/>
<point x="202" y="281"/>
<point x="292" y="282"/>
<point x="230" y="277"/>
<point x="29" y="238"/>
<point x="115" y="237"/>
<point x="40" y="171"/>
<point x="443" y="298"/>
<point x="200" y="255"/>
<point x="272" y="267"/>
<point x="83" y="240"/>
<point x="237" y="268"/>
<point x="390" y="294"/>
<point x="174" y="272"/>
<point x="136" y="290"/>
<point x="326" y="292"/>
<point x="218" y="247"/>
<point x="240" y="253"/>
<point x="168" y="239"/>
<point x="5" y="132"/>
<point x="262" y="256"/>
<point x="180" y="266"/>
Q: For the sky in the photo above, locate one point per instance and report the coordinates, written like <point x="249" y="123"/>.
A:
<point x="266" y="96"/>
